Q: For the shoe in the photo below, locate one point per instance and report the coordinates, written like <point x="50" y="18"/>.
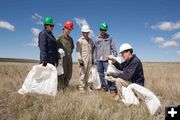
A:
<point x="113" y="93"/>
<point x="103" y="89"/>
<point x="89" y="89"/>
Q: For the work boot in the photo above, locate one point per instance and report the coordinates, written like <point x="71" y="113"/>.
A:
<point x="103" y="89"/>
<point x="113" y="93"/>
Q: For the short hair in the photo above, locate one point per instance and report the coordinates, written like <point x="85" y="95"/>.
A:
<point x="130" y="50"/>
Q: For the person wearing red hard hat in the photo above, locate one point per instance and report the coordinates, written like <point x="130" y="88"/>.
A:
<point x="66" y="43"/>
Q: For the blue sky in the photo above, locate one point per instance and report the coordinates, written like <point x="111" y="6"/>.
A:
<point x="151" y="26"/>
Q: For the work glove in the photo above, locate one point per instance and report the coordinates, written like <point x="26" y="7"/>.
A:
<point x="81" y="62"/>
<point x="94" y="62"/>
<point x="44" y="63"/>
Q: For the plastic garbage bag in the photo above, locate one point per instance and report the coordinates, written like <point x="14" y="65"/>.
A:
<point x="41" y="80"/>
<point x="111" y="68"/>
<point x="152" y="102"/>
<point x="94" y="78"/>
<point x="60" y="69"/>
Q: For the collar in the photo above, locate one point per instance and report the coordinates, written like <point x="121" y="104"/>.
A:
<point x="106" y="36"/>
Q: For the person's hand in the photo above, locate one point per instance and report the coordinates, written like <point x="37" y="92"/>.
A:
<point x="111" y="57"/>
<point x="44" y="63"/>
<point x="81" y="62"/>
<point x="93" y="62"/>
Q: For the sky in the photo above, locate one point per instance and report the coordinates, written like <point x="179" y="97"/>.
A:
<point x="152" y="27"/>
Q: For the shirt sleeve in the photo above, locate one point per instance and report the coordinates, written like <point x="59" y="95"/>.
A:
<point x="129" y="72"/>
<point x="118" y="65"/>
<point x="78" y="50"/>
<point x="43" y="46"/>
<point x="113" y="48"/>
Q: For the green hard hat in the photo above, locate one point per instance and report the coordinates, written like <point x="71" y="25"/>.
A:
<point x="48" y="21"/>
<point x="103" y="26"/>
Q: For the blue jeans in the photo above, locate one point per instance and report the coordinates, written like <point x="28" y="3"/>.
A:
<point x="102" y="67"/>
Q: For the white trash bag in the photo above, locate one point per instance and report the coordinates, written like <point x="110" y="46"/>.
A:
<point x="41" y="80"/>
<point x="60" y="69"/>
<point x="94" y="78"/>
<point x="111" y="68"/>
<point x="152" y="102"/>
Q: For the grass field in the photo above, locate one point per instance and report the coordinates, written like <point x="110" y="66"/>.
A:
<point x="161" y="78"/>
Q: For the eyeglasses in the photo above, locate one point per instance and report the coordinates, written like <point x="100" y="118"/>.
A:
<point x="51" y="25"/>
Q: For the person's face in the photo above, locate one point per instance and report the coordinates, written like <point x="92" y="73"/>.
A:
<point x="49" y="27"/>
<point x="67" y="30"/>
<point x="86" y="34"/>
<point x="102" y="32"/>
<point x="125" y="55"/>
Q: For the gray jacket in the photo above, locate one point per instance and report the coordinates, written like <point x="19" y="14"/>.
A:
<point x="103" y="47"/>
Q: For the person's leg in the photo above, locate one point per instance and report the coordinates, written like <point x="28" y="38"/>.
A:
<point x="100" y="69"/>
<point x="81" y="78"/>
<point x="111" y="85"/>
<point x="120" y="83"/>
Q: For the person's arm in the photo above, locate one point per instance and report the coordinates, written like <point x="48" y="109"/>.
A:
<point x="118" y="65"/>
<point x="113" y="48"/>
<point x="78" y="50"/>
<point x="129" y="72"/>
<point x="43" y="46"/>
<point x="95" y="52"/>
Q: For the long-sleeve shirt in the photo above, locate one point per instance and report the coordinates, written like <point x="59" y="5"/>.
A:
<point x="48" y="47"/>
<point x="132" y="70"/>
<point x="103" y="47"/>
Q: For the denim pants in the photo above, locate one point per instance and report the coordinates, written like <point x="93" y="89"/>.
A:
<point x="102" y="67"/>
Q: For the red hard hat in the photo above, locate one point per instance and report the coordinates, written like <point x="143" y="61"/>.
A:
<point x="68" y="24"/>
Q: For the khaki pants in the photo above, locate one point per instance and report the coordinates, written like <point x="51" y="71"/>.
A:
<point x="121" y="83"/>
<point x="83" y="77"/>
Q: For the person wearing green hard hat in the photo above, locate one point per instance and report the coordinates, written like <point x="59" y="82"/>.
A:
<point x="47" y="43"/>
<point x="104" y="46"/>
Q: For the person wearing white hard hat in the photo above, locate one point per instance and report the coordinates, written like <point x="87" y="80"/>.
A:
<point x="84" y="50"/>
<point x="132" y="68"/>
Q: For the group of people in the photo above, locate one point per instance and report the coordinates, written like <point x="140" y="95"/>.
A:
<point x="89" y="52"/>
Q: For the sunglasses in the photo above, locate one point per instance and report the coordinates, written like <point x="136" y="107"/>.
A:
<point x="102" y="30"/>
<point x="51" y="25"/>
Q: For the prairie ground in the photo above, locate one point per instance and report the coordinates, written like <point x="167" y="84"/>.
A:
<point x="163" y="79"/>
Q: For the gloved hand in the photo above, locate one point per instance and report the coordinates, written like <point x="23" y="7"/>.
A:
<point x="81" y="62"/>
<point x="94" y="62"/>
<point x="44" y="63"/>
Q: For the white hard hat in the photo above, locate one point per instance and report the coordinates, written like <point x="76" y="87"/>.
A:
<point x="125" y="46"/>
<point x="85" y="28"/>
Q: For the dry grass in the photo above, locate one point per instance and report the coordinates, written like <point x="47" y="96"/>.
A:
<point x="161" y="78"/>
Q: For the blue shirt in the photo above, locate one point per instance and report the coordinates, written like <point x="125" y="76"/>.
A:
<point x="103" y="47"/>
<point x="48" y="47"/>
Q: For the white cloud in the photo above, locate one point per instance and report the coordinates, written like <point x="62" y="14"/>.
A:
<point x="83" y="21"/>
<point x="167" y="26"/>
<point x="6" y="25"/>
<point x="158" y="40"/>
<point x="35" y="33"/>
<point x="37" y="18"/>
<point x="169" y="44"/>
<point x="178" y="52"/>
<point x="176" y="36"/>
